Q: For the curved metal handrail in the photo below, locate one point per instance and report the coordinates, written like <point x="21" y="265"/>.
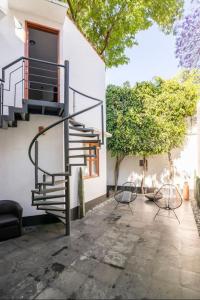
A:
<point x="84" y="95"/>
<point x="53" y="125"/>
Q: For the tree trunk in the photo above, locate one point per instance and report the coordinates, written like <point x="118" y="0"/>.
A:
<point x="171" y="167"/>
<point x="119" y="159"/>
<point x="143" y="174"/>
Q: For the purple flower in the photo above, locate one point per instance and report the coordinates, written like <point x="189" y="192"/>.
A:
<point x="188" y="40"/>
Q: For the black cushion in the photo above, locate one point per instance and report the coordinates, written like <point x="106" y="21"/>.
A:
<point x="7" y="220"/>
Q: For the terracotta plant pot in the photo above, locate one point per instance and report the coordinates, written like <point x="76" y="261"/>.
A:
<point x="186" y="192"/>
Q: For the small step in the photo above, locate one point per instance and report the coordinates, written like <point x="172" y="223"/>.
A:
<point x="75" y="123"/>
<point x="85" y="141"/>
<point x="57" y="214"/>
<point x="56" y="182"/>
<point x="83" y="155"/>
<point x="92" y="135"/>
<point x="47" y="191"/>
<point x="38" y="198"/>
<point x="51" y="207"/>
<point x="60" y="174"/>
<point x="38" y="203"/>
<point x="81" y="129"/>
<point x="62" y="220"/>
<point x="83" y="148"/>
<point x="79" y="164"/>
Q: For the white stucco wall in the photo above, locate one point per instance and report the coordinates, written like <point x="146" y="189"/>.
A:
<point x="186" y="163"/>
<point x="87" y="74"/>
<point x="16" y="171"/>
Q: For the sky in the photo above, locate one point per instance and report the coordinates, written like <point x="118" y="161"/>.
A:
<point x="154" y="56"/>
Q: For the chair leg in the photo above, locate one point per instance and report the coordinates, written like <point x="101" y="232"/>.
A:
<point x="176" y="216"/>
<point x="116" y="206"/>
<point x="130" y="208"/>
<point x="156" y="214"/>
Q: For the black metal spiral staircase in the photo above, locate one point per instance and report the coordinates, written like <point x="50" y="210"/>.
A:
<point x="52" y="190"/>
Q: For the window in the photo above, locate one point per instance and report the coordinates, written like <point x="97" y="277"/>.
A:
<point x="92" y="168"/>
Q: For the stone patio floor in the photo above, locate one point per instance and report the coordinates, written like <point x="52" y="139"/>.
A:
<point x="110" y="255"/>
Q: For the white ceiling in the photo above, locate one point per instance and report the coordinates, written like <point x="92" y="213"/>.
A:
<point x="49" y="9"/>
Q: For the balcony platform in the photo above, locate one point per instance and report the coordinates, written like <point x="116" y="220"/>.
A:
<point x="43" y="107"/>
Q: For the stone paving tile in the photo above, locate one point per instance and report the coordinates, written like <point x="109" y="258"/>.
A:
<point x="91" y="289"/>
<point x="170" y="260"/>
<point x="189" y="294"/>
<point x="97" y="252"/>
<point x="190" y="251"/>
<point x="106" y="274"/>
<point x="110" y="255"/>
<point x="132" y="286"/>
<point x="190" y="280"/>
<point x="105" y="241"/>
<point x="141" y="251"/>
<point x="51" y="293"/>
<point x="115" y="259"/>
<point x="125" y="247"/>
<point x="6" y="248"/>
<point x="29" y="288"/>
<point x="190" y="242"/>
<point x="166" y="273"/>
<point x="164" y="290"/>
<point x="136" y="265"/>
<point x="69" y="282"/>
<point x="191" y="264"/>
<point x="85" y="264"/>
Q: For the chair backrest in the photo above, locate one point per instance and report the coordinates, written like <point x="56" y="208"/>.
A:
<point x="168" y="196"/>
<point x="126" y="193"/>
<point x="129" y="186"/>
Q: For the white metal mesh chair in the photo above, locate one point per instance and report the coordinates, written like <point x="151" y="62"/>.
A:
<point x="171" y="199"/>
<point x="126" y="195"/>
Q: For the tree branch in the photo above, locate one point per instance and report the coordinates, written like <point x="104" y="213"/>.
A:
<point x="71" y="10"/>
<point x="108" y="32"/>
<point x="106" y="40"/>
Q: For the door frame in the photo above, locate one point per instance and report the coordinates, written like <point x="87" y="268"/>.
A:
<point x="29" y="24"/>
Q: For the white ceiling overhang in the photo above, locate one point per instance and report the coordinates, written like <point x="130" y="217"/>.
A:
<point x="53" y="10"/>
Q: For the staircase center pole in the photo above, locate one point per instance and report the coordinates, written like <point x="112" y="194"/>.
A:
<point x="66" y="150"/>
<point x="1" y="104"/>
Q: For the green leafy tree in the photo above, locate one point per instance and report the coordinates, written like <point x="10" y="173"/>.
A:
<point x="175" y="102"/>
<point x="134" y="130"/>
<point x="150" y="118"/>
<point x="111" y="25"/>
<point x="172" y="102"/>
<point x="152" y="138"/>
